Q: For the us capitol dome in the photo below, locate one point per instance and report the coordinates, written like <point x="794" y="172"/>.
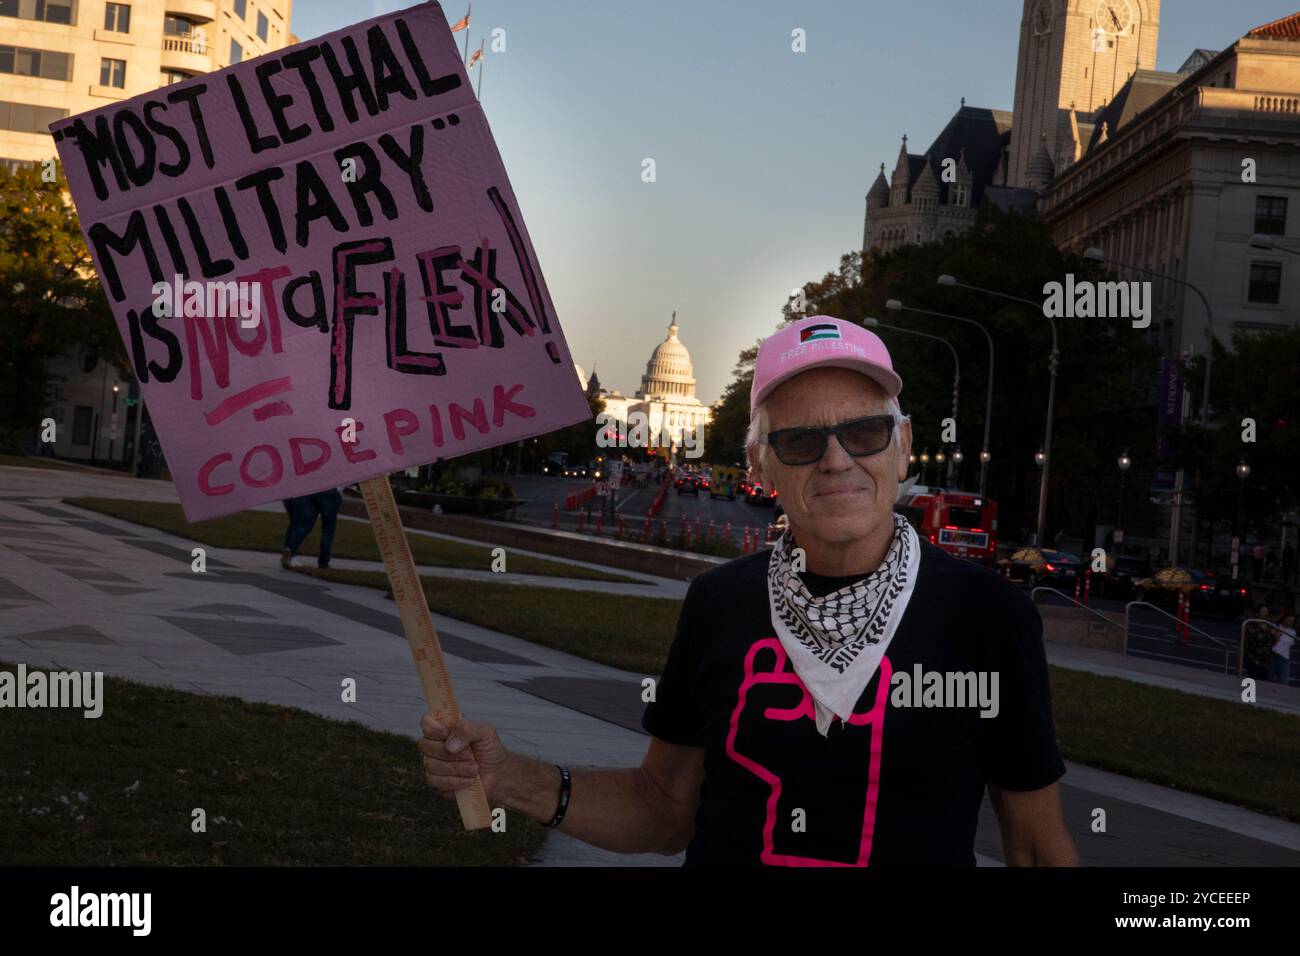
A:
<point x="666" y="397"/>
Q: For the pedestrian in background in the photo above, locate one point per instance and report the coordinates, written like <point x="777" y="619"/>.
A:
<point x="1280" y="668"/>
<point x="303" y="512"/>
<point x="1260" y="637"/>
<point x="288" y="527"/>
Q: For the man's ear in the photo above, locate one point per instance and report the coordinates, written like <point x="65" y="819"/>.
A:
<point x="904" y="448"/>
<point x="755" y="471"/>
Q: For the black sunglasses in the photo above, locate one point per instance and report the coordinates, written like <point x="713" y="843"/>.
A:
<point x="860" y="437"/>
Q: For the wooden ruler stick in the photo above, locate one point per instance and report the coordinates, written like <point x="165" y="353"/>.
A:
<point x="412" y="606"/>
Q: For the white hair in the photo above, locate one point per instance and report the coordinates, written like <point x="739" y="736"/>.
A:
<point x="756" y="448"/>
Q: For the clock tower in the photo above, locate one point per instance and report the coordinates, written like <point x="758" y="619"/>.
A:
<point x="1074" y="54"/>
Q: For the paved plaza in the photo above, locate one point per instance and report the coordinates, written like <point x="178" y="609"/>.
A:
<point x="82" y="591"/>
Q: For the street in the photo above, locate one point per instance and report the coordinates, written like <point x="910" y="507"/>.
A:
<point x="543" y="494"/>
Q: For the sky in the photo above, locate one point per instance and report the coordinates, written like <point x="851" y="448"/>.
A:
<point x="763" y="156"/>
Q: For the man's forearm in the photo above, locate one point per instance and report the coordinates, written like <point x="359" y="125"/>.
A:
<point x="618" y="810"/>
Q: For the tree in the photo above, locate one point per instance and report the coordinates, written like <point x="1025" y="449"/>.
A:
<point x="724" y="437"/>
<point x="1255" y="401"/>
<point x="1107" y="369"/>
<point x="50" y="299"/>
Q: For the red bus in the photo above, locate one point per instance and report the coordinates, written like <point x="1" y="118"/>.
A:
<point x="962" y="523"/>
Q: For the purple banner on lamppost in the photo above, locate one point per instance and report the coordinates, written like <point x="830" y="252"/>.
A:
<point x="1169" y="406"/>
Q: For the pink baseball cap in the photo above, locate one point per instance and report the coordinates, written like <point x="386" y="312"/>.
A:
<point x="820" y="341"/>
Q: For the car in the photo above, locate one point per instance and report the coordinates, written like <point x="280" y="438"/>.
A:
<point x="1204" y="591"/>
<point x="687" y="485"/>
<point x="774" y="530"/>
<point x="1045" y="567"/>
<point x="575" y="471"/>
<point x="1122" y="572"/>
<point x="724" y="482"/>
<point x="757" y="496"/>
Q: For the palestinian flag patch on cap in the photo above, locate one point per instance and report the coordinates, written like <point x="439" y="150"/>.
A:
<point x="823" y="330"/>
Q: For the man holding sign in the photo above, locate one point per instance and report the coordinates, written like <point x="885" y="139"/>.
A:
<point x="823" y="704"/>
<point x="321" y="277"/>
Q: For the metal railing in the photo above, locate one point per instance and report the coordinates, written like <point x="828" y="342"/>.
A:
<point x="1083" y="607"/>
<point x="186" y="44"/>
<point x="1180" y="626"/>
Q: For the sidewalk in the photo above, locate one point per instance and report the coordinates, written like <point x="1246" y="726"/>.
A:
<point x="83" y="591"/>
<point x="1190" y="680"/>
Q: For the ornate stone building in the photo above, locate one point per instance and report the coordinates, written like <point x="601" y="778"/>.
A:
<point x="666" y="398"/>
<point x="935" y="194"/>
<point x="1075" y="56"/>
<point x="1196" y="176"/>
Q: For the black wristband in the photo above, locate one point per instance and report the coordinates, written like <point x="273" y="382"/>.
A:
<point x="563" y="805"/>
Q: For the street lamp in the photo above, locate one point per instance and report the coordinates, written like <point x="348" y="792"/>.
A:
<point x="1094" y="254"/>
<point x="1040" y="459"/>
<point x="925" y="463"/>
<point x="894" y="305"/>
<point x="1124" y="463"/>
<point x="1052" y="361"/>
<point x="1243" y="472"/>
<point x="956" y="377"/>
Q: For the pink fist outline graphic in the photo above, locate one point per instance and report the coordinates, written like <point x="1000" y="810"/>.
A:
<point x="773" y="693"/>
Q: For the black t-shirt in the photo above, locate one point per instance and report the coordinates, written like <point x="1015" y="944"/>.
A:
<point x="896" y="785"/>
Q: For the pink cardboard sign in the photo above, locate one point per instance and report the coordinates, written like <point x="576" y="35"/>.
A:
<point x="318" y="266"/>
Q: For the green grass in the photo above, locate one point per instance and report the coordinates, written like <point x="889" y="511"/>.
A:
<point x="1230" y="752"/>
<point x="293" y="788"/>
<point x="631" y="633"/>
<point x="1237" y="753"/>
<point x="264" y="531"/>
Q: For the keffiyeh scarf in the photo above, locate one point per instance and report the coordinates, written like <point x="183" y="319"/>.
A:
<point x="836" y="642"/>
